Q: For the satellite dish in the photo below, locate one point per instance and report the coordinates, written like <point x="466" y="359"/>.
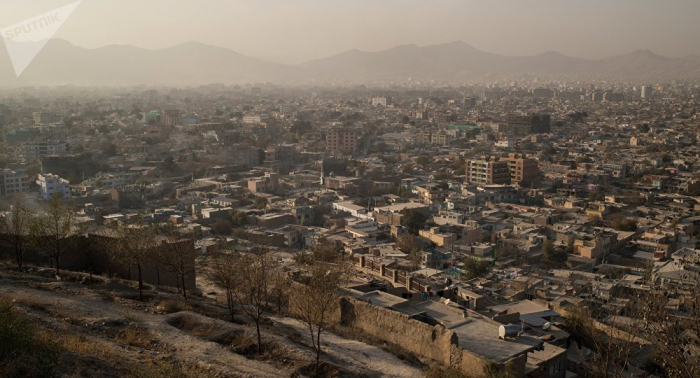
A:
<point x="447" y="301"/>
<point x="546" y="326"/>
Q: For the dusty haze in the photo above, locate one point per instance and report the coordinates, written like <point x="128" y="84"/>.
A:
<point x="294" y="31"/>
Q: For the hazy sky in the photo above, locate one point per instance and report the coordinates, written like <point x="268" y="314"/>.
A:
<point x="298" y="30"/>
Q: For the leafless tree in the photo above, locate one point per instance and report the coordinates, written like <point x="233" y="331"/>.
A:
<point x="55" y="232"/>
<point x="412" y="246"/>
<point x="14" y="228"/>
<point x="260" y="276"/>
<point x="316" y="299"/>
<point x="176" y="254"/>
<point x="222" y="270"/>
<point x="132" y="244"/>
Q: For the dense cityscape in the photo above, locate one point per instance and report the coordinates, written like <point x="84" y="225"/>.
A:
<point x="403" y="213"/>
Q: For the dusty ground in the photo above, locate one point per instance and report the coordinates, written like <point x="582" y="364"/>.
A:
<point x="106" y="332"/>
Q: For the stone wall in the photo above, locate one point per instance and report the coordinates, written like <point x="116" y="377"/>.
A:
<point x="435" y="343"/>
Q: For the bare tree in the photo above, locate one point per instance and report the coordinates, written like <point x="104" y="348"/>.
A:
<point x="260" y="276"/>
<point x="317" y="299"/>
<point x="222" y="271"/>
<point x="327" y="251"/>
<point x="132" y="245"/>
<point x="412" y="246"/>
<point x="14" y="228"/>
<point x="54" y="231"/>
<point x="612" y="348"/>
<point x="176" y="253"/>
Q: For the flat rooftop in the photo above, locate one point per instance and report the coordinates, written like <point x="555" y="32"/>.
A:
<point x="477" y="334"/>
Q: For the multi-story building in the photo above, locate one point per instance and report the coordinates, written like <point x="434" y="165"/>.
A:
<point x="439" y="137"/>
<point x="342" y="141"/>
<point x="487" y="172"/>
<point x="647" y="92"/>
<point x="13" y="182"/>
<point x="526" y="124"/>
<point x="43" y="118"/>
<point x="381" y="101"/>
<point x="36" y="149"/>
<point x="171" y="117"/>
<point x="50" y="184"/>
<point x="523" y="170"/>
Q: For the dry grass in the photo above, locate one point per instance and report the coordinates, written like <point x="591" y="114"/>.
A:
<point x="172" y="369"/>
<point x="34" y="302"/>
<point x="169" y="306"/>
<point x="247" y="345"/>
<point x="83" y="346"/>
<point x="137" y="337"/>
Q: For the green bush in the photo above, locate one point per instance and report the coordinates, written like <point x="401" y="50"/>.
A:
<point x="23" y="351"/>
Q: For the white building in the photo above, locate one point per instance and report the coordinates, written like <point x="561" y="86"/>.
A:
<point x="51" y="184"/>
<point x="381" y="101"/>
<point x="251" y="119"/>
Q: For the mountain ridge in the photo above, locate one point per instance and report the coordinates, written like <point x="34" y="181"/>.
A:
<point x="197" y="63"/>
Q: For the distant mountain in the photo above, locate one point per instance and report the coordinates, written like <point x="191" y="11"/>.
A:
<point x="190" y="63"/>
<point x="194" y="63"/>
<point x="459" y="60"/>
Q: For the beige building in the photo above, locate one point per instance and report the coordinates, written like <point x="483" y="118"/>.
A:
<point x="487" y="172"/>
<point x="342" y="141"/>
<point x="523" y="170"/>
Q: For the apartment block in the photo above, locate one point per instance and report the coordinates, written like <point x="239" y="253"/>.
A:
<point x="50" y="184"/>
<point x="342" y="141"/>
<point x="487" y="172"/>
<point x="523" y="170"/>
<point x="36" y="149"/>
<point x="13" y="182"/>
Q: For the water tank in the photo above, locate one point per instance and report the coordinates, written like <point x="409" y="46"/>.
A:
<point x="509" y="331"/>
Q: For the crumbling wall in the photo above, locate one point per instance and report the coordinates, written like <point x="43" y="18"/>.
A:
<point x="421" y="339"/>
<point x="433" y="342"/>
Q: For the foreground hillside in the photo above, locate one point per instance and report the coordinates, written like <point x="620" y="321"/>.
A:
<point x="100" y="329"/>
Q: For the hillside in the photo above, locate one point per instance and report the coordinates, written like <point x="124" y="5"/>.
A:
<point x="101" y="330"/>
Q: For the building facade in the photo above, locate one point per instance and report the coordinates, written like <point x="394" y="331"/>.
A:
<point x="13" y="182"/>
<point x="523" y="170"/>
<point x="342" y="141"/>
<point x="50" y="184"/>
<point x="36" y="149"/>
<point x="487" y="172"/>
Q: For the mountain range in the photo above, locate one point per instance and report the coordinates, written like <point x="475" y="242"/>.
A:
<point x="193" y="63"/>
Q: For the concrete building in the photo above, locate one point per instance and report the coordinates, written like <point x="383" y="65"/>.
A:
<point x="381" y="101"/>
<point x="43" y="118"/>
<point x="526" y="124"/>
<point x="171" y="117"/>
<point x="342" y="141"/>
<point x="523" y="170"/>
<point x="13" y="182"/>
<point x="50" y="184"/>
<point x="487" y="172"/>
<point x="36" y="149"/>
<point x="647" y="92"/>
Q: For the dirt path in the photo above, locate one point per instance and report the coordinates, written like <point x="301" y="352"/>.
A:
<point x="377" y="361"/>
